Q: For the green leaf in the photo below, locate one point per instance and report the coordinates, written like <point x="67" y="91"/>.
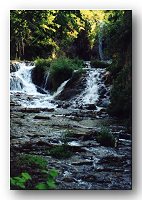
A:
<point x="21" y="185"/>
<point x="53" y="172"/>
<point x="12" y="181"/>
<point x="51" y="184"/>
<point x="26" y="176"/>
<point x="41" y="186"/>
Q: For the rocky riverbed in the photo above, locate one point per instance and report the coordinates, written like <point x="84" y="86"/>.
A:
<point x="90" y="166"/>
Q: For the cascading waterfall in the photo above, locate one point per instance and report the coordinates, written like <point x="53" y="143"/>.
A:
<point x="21" y="82"/>
<point x="91" y="93"/>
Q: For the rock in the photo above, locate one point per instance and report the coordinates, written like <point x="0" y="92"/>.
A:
<point x="83" y="162"/>
<point x="69" y="179"/>
<point x="14" y="67"/>
<point x="48" y="109"/>
<point x="30" y="110"/>
<point x="102" y="91"/>
<point x="89" y="178"/>
<point x="42" y="117"/>
<point x="108" y="78"/>
<point x="73" y="87"/>
<point x="90" y="107"/>
<point x="40" y="90"/>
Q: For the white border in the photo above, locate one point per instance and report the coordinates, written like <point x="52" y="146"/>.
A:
<point x="7" y="5"/>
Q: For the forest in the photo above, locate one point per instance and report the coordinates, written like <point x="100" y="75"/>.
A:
<point x="71" y="91"/>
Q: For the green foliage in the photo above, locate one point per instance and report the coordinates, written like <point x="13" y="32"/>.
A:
<point x="105" y="138"/>
<point x="62" y="69"/>
<point x="32" y="161"/>
<point x="61" y="152"/>
<point x="37" y="167"/>
<point x="43" y="64"/>
<point x="121" y="94"/>
<point x="20" y="181"/>
<point x="50" y="183"/>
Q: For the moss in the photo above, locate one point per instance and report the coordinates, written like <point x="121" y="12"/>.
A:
<point x="105" y="138"/>
<point x="60" y="152"/>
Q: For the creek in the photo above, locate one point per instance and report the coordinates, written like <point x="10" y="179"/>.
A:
<point x="40" y="120"/>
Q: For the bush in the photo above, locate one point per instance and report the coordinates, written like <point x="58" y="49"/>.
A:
<point x="121" y="94"/>
<point x="32" y="161"/>
<point x="60" y="152"/>
<point x="31" y="172"/>
<point x="62" y="69"/>
<point x="105" y="138"/>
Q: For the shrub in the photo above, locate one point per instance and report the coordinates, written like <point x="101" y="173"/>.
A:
<point x="121" y="94"/>
<point x="32" y="161"/>
<point x="32" y="168"/>
<point x="50" y="183"/>
<point x="105" y="138"/>
<point x="62" y="69"/>
<point x="19" y="182"/>
<point x="61" y="152"/>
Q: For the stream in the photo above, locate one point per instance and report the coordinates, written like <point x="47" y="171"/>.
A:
<point x="41" y="121"/>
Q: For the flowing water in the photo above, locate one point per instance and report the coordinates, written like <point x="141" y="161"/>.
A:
<point x="21" y="82"/>
<point x="34" y="129"/>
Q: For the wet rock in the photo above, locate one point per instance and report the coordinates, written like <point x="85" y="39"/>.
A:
<point x="48" y="109"/>
<point x="40" y="90"/>
<point x="90" y="107"/>
<point x="125" y="136"/>
<point x="89" y="178"/>
<point x="30" y="110"/>
<point x="14" y="67"/>
<point x="83" y="162"/>
<point x="42" y="117"/>
<point x="73" y="87"/>
<point x="69" y="179"/>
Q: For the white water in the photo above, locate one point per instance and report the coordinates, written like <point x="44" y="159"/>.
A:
<point x="20" y="81"/>
<point x="90" y="95"/>
<point x="21" y="84"/>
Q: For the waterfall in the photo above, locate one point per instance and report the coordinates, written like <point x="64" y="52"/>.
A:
<point x="45" y="81"/>
<point x="101" y="41"/>
<point x="60" y="88"/>
<point x="95" y="92"/>
<point x="20" y="81"/>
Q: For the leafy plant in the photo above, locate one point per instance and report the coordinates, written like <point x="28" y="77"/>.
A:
<point x="20" y="181"/>
<point x="105" y="138"/>
<point x="62" y="69"/>
<point x="50" y="183"/>
<point x="61" y="152"/>
<point x="33" y="161"/>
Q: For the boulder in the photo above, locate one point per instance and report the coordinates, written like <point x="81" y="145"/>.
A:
<point x="73" y="87"/>
<point x="90" y="106"/>
<point x="14" y="67"/>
